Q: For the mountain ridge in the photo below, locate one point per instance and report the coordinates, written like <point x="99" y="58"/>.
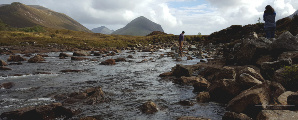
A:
<point x="140" y="26"/>
<point x="20" y="15"/>
<point x="102" y="30"/>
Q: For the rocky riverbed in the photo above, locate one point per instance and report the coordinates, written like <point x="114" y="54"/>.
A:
<point x="122" y="85"/>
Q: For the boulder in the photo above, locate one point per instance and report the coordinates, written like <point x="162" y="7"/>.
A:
<point x="15" y="58"/>
<point x="182" y="70"/>
<point x="277" y="115"/>
<point x="129" y="56"/>
<point x="120" y="60"/>
<point x="79" y="58"/>
<point x="250" y="71"/>
<point x="166" y="74"/>
<point x="7" y="85"/>
<point x="186" y="103"/>
<point x="247" y="81"/>
<point x="3" y="63"/>
<point x="64" y="55"/>
<point x="224" y="90"/>
<point x="285" y="42"/>
<point x="213" y="73"/>
<point x="45" y="112"/>
<point x="268" y="68"/>
<point x="255" y="99"/>
<point x="191" y="118"/>
<point x="293" y="101"/>
<point x="81" y="53"/>
<point x="192" y="80"/>
<point x="235" y="116"/>
<point x="288" y="77"/>
<point x="36" y="59"/>
<point x="149" y="107"/>
<point x="283" y="98"/>
<point x="4" y="68"/>
<point x="108" y="62"/>
<point x="293" y="55"/>
<point x="265" y="58"/>
<point x="203" y="97"/>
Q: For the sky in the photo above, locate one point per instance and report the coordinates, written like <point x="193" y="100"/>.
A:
<point x="175" y="16"/>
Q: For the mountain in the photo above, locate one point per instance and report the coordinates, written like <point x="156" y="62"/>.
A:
<point x="103" y="30"/>
<point x="19" y="15"/>
<point x="296" y="13"/>
<point x="140" y="26"/>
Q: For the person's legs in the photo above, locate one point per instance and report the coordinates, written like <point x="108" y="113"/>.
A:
<point x="272" y="33"/>
<point x="180" y="46"/>
<point x="268" y="34"/>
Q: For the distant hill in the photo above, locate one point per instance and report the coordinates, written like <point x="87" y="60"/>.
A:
<point x="140" y="26"/>
<point x="19" y="15"/>
<point x="103" y="30"/>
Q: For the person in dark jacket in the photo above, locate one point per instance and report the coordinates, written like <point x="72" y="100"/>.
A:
<point x="270" y="24"/>
<point x="181" y="38"/>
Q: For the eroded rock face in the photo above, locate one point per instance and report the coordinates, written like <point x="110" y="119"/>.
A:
<point x="149" y="107"/>
<point x="46" y="112"/>
<point x="64" y="55"/>
<point x="255" y="99"/>
<point x="277" y="115"/>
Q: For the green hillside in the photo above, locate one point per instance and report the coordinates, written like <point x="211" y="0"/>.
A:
<point x="19" y="15"/>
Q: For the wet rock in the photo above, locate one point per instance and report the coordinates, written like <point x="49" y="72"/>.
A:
<point x="3" y="63"/>
<point x="65" y="71"/>
<point x="129" y="56"/>
<point x="224" y="90"/>
<point x="285" y="42"/>
<point x="192" y="118"/>
<point x="268" y="68"/>
<point x="108" y="62"/>
<point x="79" y="58"/>
<point x="81" y="53"/>
<point x="235" y="116"/>
<point x="277" y="115"/>
<point x="64" y="55"/>
<point x="203" y="97"/>
<point x="288" y="77"/>
<point x="166" y="74"/>
<point x="182" y="70"/>
<point x="4" y="68"/>
<point x="120" y="60"/>
<point x="36" y="59"/>
<point x="46" y="112"/>
<point x="7" y="85"/>
<point x="149" y="107"/>
<point x="186" y="103"/>
<point x="15" y="58"/>
<point x="255" y="99"/>
<point x="293" y="100"/>
<point x="90" y="96"/>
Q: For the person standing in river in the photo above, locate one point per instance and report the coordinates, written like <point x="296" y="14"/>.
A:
<point x="181" y="38"/>
<point x="270" y="24"/>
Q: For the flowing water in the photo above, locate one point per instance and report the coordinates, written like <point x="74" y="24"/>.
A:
<point x="127" y="84"/>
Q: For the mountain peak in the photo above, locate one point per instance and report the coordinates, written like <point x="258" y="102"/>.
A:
<point x="102" y="29"/>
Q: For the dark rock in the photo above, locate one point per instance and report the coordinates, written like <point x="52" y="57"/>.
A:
<point x="203" y="97"/>
<point x="149" y="107"/>
<point x="288" y="77"/>
<point x="120" y="60"/>
<point x="4" y="68"/>
<point x="166" y="74"/>
<point x="285" y="42"/>
<point x="293" y="100"/>
<point x="277" y="115"/>
<point x="182" y="70"/>
<point x="64" y="55"/>
<point x="247" y="81"/>
<point x="235" y="116"/>
<point x="46" y="112"/>
<point x="224" y="90"/>
<point x="192" y="118"/>
<point x="15" y="58"/>
<point x="268" y="68"/>
<point x="108" y="62"/>
<point x="283" y="99"/>
<point x="36" y="59"/>
<point x="97" y="54"/>
<point x="255" y="99"/>
<point x="3" y="63"/>
<point x="43" y="55"/>
<point x="129" y="56"/>
<point x="7" y="85"/>
<point x="265" y="58"/>
<point x="79" y="58"/>
<point x="293" y="55"/>
<point x="186" y="103"/>
<point x="81" y="53"/>
<point x="65" y="71"/>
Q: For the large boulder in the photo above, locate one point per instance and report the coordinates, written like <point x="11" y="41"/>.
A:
<point x="149" y="107"/>
<point x="268" y="68"/>
<point x="277" y="115"/>
<point x="3" y="63"/>
<point x="182" y="70"/>
<point x="81" y="53"/>
<point x="46" y="112"/>
<point x="255" y="99"/>
<point x="285" y="42"/>
<point x="288" y="77"/>
<point x="36" y="59"/>
<point x="213" y="73"/>
<point x="224" y="90"/>
<point x="247" y="81"/>
<point x="16" y="58"/>
<point x="64" y="55"/>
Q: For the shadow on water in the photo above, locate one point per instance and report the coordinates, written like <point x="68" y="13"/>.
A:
<point x="127" y="84"/>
